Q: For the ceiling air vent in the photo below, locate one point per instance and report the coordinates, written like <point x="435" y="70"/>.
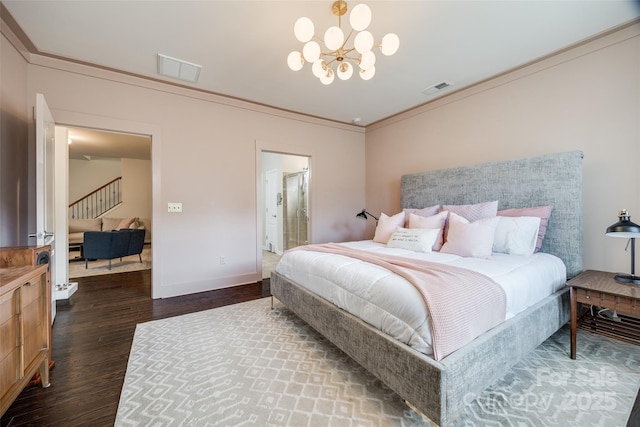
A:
<point x="178" y="69"/>
<point x="435" y="88"/>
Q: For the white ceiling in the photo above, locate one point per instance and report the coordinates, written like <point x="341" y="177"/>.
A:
<point x="243" y="45"/>
<point x="92" y="144"/>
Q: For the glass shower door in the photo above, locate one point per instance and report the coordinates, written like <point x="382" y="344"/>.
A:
<point x="295" y="209"/>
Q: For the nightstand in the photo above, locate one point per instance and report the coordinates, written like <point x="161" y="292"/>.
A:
<point x="599" y="289"/>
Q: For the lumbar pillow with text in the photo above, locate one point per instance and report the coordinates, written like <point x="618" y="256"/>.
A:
<point x="435" y="221"/>
<point x="414" y="239"/>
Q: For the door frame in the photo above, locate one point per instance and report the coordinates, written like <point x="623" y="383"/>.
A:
<point x="76" y="119"/>
<point x="271" y="191"/>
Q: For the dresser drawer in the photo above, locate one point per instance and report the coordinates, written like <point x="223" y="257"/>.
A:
<point x="32" y="290"/>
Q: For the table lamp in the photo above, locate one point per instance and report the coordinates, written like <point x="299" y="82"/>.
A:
<point x="628" y="230"/>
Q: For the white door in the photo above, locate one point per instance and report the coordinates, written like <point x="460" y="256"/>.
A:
<point x="45" y="185"/>
<point x="271" y="210"/>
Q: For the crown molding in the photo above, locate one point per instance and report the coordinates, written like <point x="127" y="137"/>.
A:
<point x="592" y="44"/>
<point x="35" y="57"/>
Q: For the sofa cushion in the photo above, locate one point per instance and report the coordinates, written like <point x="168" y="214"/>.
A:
<point x="109" y="224"/>
<point x="75" y="238"/>
<point x="82" y="225"/>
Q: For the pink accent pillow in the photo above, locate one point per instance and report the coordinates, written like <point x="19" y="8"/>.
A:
<point x="474" y="212"/>
<point x="542" y="212"/>
<point x="125" y="223"/>
<point x="387" y="225"/>
<point x="435" y="221"/>
<point x="471" y="212"/>
<point x="470" y="239"/>
<point x="431" y="210"/>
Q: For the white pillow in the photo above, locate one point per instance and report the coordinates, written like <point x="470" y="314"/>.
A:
<point x="516" y="235"/>
<point x="414" y="239"/>
<point x="470" y="239"/>
<point x="387" y="225"/>
<point x="434" y="221"/>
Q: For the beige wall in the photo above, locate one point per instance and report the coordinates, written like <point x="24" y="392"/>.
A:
<point x="136" y="189"/>
<point x="88" y="175"/>
<point x="585" y="99"/>
<point x="204" y="156"/>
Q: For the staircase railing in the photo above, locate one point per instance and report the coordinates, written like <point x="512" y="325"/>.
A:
<point x="98" y="201"/>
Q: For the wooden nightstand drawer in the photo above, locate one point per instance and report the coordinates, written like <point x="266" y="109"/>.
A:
<point x="621" y="304"/>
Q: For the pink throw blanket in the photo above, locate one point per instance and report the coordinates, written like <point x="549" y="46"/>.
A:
<point x="463" y="304"/>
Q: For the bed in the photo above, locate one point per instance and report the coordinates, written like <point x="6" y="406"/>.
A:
<point x="440" y="388"/>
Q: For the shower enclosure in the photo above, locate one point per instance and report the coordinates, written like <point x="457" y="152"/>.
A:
<point x="295" y="208"/>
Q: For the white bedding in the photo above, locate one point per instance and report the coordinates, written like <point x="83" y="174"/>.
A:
<point x="391" y="304"/>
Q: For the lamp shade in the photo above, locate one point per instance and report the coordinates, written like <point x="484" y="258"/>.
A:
<point x="624" y="228"/>
<point x="365" y="214"/>
<point x="333" y="38"/>
<point x="345" y="71"/>
<point x="295" y="60"/>
<point x="360" y="17"/>
<point x="390" y="44"/>
<point x="303" y="29"/>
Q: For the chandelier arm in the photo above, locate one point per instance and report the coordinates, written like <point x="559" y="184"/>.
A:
<point x="331" y="62"/>
<point x="334" y="54"/>
<point x="348" y="51"/>
<point x="346" y="39"/>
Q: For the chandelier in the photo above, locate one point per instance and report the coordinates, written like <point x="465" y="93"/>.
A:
<point x="338" y="58"/>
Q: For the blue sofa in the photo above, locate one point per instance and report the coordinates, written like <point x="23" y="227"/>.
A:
<point x="112" y="244"/>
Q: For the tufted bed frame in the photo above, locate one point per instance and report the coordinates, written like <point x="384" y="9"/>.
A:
<point x="440" y="389"/>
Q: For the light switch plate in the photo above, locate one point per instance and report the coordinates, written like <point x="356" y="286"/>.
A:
<point x="174" y="207"/>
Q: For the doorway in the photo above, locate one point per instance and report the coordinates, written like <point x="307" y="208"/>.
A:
<point x="109" y="180"/>
<point x="285" y="205"/>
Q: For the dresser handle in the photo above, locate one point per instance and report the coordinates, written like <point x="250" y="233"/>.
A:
<point x="28" y="284"/>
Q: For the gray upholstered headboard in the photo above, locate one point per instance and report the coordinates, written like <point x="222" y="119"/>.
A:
<point x="554" y="179"/>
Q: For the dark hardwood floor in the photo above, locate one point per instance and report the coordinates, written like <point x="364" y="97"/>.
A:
<point x="91" y="340"/>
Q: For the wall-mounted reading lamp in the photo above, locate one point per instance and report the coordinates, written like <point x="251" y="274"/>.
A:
<point x="365" y="215"/>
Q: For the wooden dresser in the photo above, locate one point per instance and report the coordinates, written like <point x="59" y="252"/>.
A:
<point x="25" y="323"/>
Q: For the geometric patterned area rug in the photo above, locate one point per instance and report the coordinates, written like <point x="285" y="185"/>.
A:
<point x="247" y="364"/>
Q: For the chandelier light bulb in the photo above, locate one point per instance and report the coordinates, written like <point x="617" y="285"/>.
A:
<point x="311" y="51"/>
<point x="368" y="74"/>
<point x="327" y="78"/>
<point x="367" y="60"/>
<point x="390" y="44"/>
<point x="345" y="71"/>
<point x="363" y="41"/>
<point x="318" y="68"/>
<point x="360" y="17"/>
<point x="303" y="29"/>
<point x="295" y="60"/>
<point x="333" y="38"/>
